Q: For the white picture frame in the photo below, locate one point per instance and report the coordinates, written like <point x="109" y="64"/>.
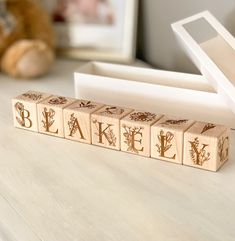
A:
<point x="127" y="27"/>
<point x="219" y="79"/>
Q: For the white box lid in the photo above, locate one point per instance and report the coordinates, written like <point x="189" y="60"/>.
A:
<point x="212" y="48"/>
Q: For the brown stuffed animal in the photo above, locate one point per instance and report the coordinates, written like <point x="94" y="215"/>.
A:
<point x="26" y="39"/>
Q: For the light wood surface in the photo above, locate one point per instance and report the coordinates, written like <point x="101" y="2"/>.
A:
<point x="77" y="120"/>
<point x="24" y="108"/>
<point x="206" y="146"/>
<point x="167" y="138"/>
<point x="52" y="189"/>
<point x="135" y="132"/>
<point x="105" y="126"/>
<point x="50" y="115"/>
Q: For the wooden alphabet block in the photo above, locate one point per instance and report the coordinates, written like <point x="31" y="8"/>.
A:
<point x="50" y="115"/>
<point x="77" y="120"/>
<point x="135" y="132"/>
<point x="167" y="138"/>
<point x="105" y="126"/>
<point x="206" y="146"/>
<point x="25" y="109"/>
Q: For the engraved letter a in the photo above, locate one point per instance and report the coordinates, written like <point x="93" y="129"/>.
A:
<point x="75" y="126"/>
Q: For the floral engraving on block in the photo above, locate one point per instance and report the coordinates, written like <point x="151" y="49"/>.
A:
<point x="174" y="122"/>
<point x="48" y="118"/>
<point x="207" y="127"/>
<point x="20" y="109"/>
<point x="58" y="101"/>
<point x="106" y="132"/>
<point x="33" y="96"/>
<point x="85" y="105"/>
<point x="112" y="110"/>
<point x="71" y="124"/>
<point x="24" y="115"/>
<point x="130" y="135"/>
<point x="198" y="155"/>
<point x="164" y="145"/>
<point x="142" y="116"/>
<point x="74" y="126"/>
<point x="223" y="146"/>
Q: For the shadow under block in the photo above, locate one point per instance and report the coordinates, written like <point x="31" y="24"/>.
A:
<point x="25" y="109"/>
<point x="135" y="132"/>
<point x="105" y="126"/>
<point x="206" y="146"/>
<point x="167" y="138"/>
<point x="77" y="119"/>
<point x="50" y="115"/>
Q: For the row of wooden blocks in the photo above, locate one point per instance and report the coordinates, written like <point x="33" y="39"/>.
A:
<point x="178" y="140"/>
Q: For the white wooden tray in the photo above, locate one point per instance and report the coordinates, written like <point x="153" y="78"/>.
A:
<point x="185" y="95"/>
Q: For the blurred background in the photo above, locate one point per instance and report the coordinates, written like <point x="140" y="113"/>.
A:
<point x="156" y="41"/>
<point x="119" y="31"/>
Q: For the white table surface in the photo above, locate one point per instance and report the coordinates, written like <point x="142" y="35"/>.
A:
<point x="52" y="189"/>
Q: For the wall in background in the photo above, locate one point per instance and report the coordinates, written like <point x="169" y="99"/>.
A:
<point x="158" y="44"/>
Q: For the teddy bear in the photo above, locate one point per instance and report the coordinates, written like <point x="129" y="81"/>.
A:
<point x="26" y="39"/>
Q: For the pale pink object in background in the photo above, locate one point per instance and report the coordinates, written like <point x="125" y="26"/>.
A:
<point x="84" y="11"/>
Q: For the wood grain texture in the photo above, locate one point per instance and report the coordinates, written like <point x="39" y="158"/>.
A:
<point x="206" y="146"/>
<point x="68" y="191"/>
<point x="105" y="126"/>
<point x="167" y="138"/>
<point x="12" y="226"/>
<point x="135" y="132"/>
<point x="50" y="115"/>
<point x="77" y="120"/>
<point x="24" y="108"/>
